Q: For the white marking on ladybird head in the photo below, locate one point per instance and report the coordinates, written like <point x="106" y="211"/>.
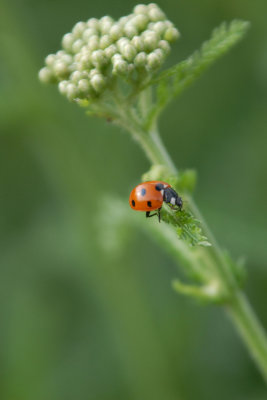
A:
<point x="165" y="186"/>
<point x="172" y="201"/>
<point x="162" y="192"/>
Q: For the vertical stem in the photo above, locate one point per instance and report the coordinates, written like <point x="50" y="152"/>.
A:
<point x="250" y="330"/>
<point x="156" y="139"/>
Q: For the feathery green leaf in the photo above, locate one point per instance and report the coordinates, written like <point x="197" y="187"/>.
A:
<point x="173" y="81"/>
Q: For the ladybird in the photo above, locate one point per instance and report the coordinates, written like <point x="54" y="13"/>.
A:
<point x="149" y="196"/>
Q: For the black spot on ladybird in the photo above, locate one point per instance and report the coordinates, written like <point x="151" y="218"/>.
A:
<point x="143" y="191"/>
<point x="133" y="203"/>
<point x="149" y="204"/>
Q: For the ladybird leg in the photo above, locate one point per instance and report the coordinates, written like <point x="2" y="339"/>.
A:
<point x="148" y="215"/>
<point x="159" y="213"/>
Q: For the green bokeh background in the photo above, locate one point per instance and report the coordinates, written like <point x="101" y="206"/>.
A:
<point x="78" y="322"/>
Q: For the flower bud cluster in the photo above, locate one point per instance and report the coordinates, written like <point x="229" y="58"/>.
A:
<point x="99" y="50"/>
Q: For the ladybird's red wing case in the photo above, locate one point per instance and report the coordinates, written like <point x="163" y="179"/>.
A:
<point x="147" y="196"/>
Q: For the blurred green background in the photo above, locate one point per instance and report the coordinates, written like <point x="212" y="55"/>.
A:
<point x="81" y="323"/>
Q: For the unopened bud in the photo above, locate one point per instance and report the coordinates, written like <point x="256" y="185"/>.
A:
<point x="50" y="60"/>
<point x="130" y="30"/>
<point x="93" y="43"/>
<point x="67" y="41"/>
<point x="77" y="45"/>
<point x="155" y="14"/>
<point x="138" y="43"/>
<point x="72" y="91"/>
<point x="60" y="69"/>
<point x="140" y="60"/>
<point x="120" y="67"/>
<point x="140" y="9"/>
<point x="84" y="85"/>
<point x="98" y="83"/>
<point x="88" y="33"/>
<point x="98" y="58"/>
<point x="78" y="29"/>
<point x="110" y="51"/>
<point x="93" y="23"/>
<point x="129" y="52"/>
<point x="62" y="86"/>
<point x="153" y="61"/>
<point x="115" y="32"/>
<point x="46" y="75"/>
<point x="140" y="22"/>
<point x="164" y="45"/>
<point x="105" y="41"/>
<point x="171" y="34"/>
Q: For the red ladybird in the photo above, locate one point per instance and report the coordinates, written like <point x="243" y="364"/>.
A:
<point x="149" y="196"/>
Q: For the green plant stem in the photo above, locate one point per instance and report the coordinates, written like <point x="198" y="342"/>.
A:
<point x="238" y="307"/>
<point x="250" y="330"/>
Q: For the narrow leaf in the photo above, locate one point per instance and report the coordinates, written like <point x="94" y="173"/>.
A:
<point x="174" y="80"/>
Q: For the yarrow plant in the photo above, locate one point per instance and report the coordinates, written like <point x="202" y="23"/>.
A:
<point x="113" y="70"/>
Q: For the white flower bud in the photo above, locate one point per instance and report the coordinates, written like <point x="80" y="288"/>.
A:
<point x="98" y="58"/>
<point x="138" y="43"/>
<point x="50" y="60"/>
<point x="115" y="32"/>
<point x="105" y="24"/>
<point x="129" y="52"/>
<point x="72" y="91"/>
<point x="46" y="75"/>
<point x="66" y="58"/>
<point x="93" y="43"/>
<point x="93" y="72"/>
<point x="84" y="85"/>
<point x="85" y="60"/>
<point x="123" y="20"/>
<point x="158" y="27"/>
<point x="110" y="51"/>
<point x="76" y="76"/>
<point x="130" y="30"/>
<point x="97" y="50"/>
<point x="67" y="41"/>
<point x="120" y="67"/>
<point x="140" y="60"/>
<point x="155" y="14"/>
<point x="88" y="33"/>
<point x="151" y="40"/>
<point x="116" y="57"/>
<point x="93" y="23"/>
<point x="171" y="34"/>
<point x="105" y="41"/>
<point x="160" y="53"/>
<point x="78" y="29"/>
<point x="164" y="45"/>
<point x="60" y="69"/>
<point x="140" y="9"/>
<point x="62" y="87"/>
<point x="140" y="22"/>
<point x="77" y="45"/>
<point x="122" y="42"/>
<point x="98" y="82"/>
<point x="153" y="61"/>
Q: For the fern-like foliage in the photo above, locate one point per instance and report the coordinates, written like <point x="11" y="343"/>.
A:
<point x="187" y="227"/>
<point x="171" y="82"/>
